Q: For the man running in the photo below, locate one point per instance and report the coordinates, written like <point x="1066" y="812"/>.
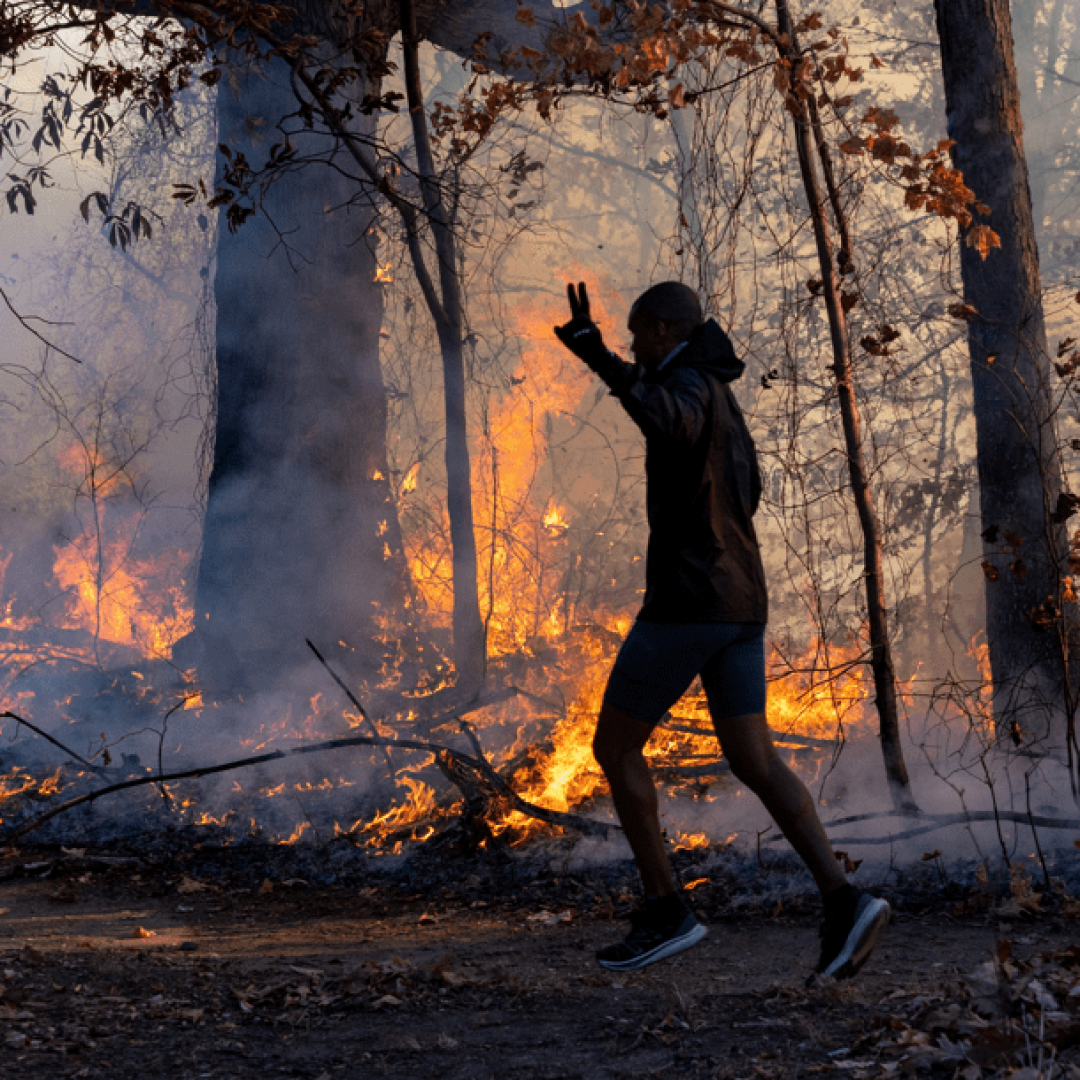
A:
<point x="704" y="614"/>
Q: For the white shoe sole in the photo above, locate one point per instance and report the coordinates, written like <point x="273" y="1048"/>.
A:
<point x="661" y="952"/>
<point x="862" y="939"/>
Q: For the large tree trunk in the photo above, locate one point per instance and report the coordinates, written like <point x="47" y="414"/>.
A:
<point x="301" y="538"/>
<point x="1019" y="466"/>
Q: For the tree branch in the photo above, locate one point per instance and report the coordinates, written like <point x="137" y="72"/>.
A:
<point x="586" y="826"/>
<point x="24" y="322"/>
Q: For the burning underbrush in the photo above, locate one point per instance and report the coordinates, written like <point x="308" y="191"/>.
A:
<point x="107" y="736"/>
<point x="95" y="699"/>
<point x="509" y="766"/>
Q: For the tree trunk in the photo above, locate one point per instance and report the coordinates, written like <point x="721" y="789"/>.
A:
<point x="1023" y="17"/>
<point x="881" y="661"/>
<point x="447" y="309"/>
<point x="301" y="538"/>
<point x="1019" y="465"/>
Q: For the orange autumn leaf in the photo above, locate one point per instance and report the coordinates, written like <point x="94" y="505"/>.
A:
<point x="983" y="238"/>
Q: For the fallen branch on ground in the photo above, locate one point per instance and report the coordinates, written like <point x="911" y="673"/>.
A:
<point x="586" y="826"/>
<point x="931" y="822"/>
<point x="45" y="735"/>
<point x="356" y="702"/>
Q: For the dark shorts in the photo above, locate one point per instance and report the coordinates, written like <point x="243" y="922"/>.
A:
<point x="658" y="662"/>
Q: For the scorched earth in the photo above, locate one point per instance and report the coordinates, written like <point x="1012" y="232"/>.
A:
<point x="302" y="963"/>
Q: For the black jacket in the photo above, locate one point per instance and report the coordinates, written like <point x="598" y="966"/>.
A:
<point x="703" y="484"/>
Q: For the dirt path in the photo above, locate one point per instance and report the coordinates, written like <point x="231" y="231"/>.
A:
<point x="136" y="973"/>
<point x="119" y="969"/>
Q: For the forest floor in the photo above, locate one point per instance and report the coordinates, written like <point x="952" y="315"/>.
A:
<point x="122" y="965"/>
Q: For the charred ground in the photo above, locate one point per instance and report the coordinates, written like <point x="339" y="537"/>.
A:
<point x="191" y="960"/>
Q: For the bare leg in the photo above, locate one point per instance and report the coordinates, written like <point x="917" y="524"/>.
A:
<point x="748" y="747"/>
<point x="618" y="746"/>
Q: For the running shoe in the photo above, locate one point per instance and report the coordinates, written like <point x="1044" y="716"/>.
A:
<point x="650" y="940"/>
<point x="849" y="935"/>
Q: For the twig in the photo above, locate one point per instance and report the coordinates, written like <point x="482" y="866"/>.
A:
<point x="161" y="737"/>
<point x="24" y="322"/>
<point x="932" y="822"/>
<point x="314" y="829"/>
<point x="586" y="826"/>
<point x="360" y="708"/>
<point x="668" y="723"/>
<point x="1035" y="833"/>
<point x="47" y="736"/>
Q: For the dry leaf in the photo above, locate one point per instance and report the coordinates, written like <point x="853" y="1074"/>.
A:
<point x="141" y="932"/>
<point x="455" y="980"/>
<point x="388" y="1001"/>
<point x="543" y="918"/>
<point x="1017" y="906"/>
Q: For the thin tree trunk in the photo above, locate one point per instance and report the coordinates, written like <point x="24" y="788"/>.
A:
<point x="881" y="661"/>
<point x="1020" y="478"/>
<point x="448" y="312"/>
<point x="932" y="625"/>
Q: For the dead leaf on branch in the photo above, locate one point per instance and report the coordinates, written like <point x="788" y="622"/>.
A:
<point x="850" y="865"/>
<point x="983" y="239"/>
<point x="877" y="344"/>
<point x="1045" y="613"/>
<point x="1067" y="505"/>
<point x="963" y="311"/>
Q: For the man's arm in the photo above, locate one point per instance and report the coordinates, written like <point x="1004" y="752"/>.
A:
<point x="675" y="410"/>
<point x="583" y="338"/>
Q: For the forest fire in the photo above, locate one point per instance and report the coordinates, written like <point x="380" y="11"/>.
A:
<point x="557" y="594"/>
<point x="110" y="595"/>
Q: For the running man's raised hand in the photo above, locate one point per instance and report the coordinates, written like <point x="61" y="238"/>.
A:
<point x="581" y="335"/>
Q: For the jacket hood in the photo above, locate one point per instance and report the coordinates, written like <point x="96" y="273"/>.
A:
<point x="710" y="348"/>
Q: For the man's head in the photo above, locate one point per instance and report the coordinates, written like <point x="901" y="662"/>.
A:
<point x="661" y="318"/>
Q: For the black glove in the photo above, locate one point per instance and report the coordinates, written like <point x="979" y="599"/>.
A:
<point x="583" y="338"/>
<point x="581" y="335"/>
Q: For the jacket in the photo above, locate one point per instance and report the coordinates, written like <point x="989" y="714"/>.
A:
<point x="703" y="484"/>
